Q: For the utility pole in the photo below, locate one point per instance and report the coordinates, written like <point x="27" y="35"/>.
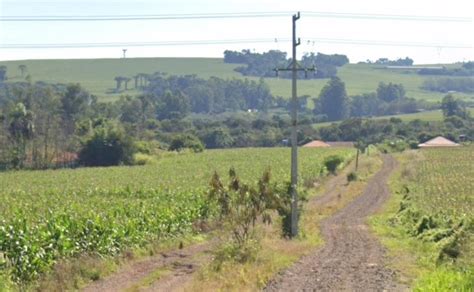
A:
<point x="124" y="53"/>
<point x="294" y="68"/>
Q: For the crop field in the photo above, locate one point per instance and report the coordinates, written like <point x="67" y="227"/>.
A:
<point x="445" y="183"/>
<point x="54" y="214"/>
<point x="428" y="224"/>
<point x="97" y="75"/>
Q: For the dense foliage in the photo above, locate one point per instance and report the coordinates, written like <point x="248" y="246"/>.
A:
<point x="263" y="64"/>
<point x="446" y="84"/>
<point x="467" y="69"/>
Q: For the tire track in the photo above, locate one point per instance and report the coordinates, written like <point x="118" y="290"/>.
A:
<point x="352" y="259"/>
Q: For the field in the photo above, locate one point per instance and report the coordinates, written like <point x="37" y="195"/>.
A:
<point x="53" y="214"/>
<point x="97" y="75"/>
<point x="446" y="177"/>
<point x="429" y="116"/>
<point x="429" y="225"/>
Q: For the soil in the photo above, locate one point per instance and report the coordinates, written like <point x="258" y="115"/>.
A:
<point x="352" y="259"/>
<point x="177" y="268"/>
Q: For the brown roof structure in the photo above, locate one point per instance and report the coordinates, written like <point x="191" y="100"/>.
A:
<point x="316" y="144"/>
<point x="438" y="142"/>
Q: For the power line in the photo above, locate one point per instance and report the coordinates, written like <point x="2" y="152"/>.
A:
<point x="141" y="44"/>
<point x="366" y="16"/>
<point x="315" y="40"/>
<point x="387" y="16"/>
<point x="307" y="40"/>
<point x="143" y="17"/>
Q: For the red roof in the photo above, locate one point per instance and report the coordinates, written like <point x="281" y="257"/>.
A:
<point x="438" y="142"/>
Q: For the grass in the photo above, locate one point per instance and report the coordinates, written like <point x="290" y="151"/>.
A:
<point x="440" y="186"/>
<point x="97" y="75"/>
<point x="277" y="253"/>
<point x="428" y="116"/>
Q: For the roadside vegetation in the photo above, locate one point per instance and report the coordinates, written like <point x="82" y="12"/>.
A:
<point x="275" y="253"/>
<point x="428" y="223"/>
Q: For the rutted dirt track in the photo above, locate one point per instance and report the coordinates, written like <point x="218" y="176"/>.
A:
<point x="178" y="266"/>
<point x="352" y="259"/>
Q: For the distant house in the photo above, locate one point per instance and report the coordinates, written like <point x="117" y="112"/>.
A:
<point x="321" y="144"/>
<point x="438" y="142"/>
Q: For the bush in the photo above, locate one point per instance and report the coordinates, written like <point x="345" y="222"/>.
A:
<point x="239" y="207"/>
<point x="184" y="141"/>
<point x="352" y="176"/>
<point x="143" y="159"/>
<point x="332" y="163"/>
<point x="106" y="147"/>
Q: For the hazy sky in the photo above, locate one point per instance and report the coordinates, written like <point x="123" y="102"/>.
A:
<point x="392" y="31"/>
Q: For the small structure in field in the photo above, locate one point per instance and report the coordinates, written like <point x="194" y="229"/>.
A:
<point x="316" y="144"/>
<point x="321" y="144"/>
<point x="438" y="142"/>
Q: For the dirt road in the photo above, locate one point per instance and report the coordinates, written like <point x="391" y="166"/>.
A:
<point x="167" y="271"/>
<point x="352" y="259"/>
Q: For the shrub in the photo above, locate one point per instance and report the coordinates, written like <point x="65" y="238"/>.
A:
<point x="332" y="163"/>
<point x="106" y="147"/>
<point x="240" y="206"/>
<point x="143" y="159"/>
<point x="184" y="141"/>
<point x="352" y="176"/>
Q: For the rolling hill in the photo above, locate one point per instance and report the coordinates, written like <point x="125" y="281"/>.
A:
<point x="97" y="75"/>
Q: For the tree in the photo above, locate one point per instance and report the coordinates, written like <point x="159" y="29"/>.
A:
<point x="218" y="138"/>
<point x="21" y="129"/>
<point x="22" y="69"/>
<point x="106" y="147"/>
<point x="333" y="100"/>
<point x="3" y="73"/>
<point x="74" y="103"/>
<point x="173" y="106"/>
<point x="126" y="80"/>
<point x="119" y="80"/>
<point x="390" y="92"/>
<point x="184" y="141"/>
<point x="452" y="107"/>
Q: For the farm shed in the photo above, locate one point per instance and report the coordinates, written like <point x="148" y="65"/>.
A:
<point x="438" y="142"/>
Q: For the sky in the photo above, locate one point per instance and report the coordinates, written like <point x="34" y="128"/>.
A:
<point x="427" y="42"/>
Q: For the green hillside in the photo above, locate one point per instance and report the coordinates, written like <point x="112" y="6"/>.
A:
<point x="436" y="115"/>
<point x="97" y="75"/>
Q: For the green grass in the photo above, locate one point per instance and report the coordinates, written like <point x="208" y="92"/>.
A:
<point x="97" y="75"/>
<point x="428" y="116"/>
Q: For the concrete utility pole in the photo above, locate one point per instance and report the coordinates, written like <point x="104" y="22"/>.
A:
<point x="294" y="68"/>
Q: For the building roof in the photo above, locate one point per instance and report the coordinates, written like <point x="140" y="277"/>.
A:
<point x="438" y="142"/>
<point x="316" y="143"/>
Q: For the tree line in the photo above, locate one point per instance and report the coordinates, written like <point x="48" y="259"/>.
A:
<point x="263" y="64"/>
<point x="52" y="125"/>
